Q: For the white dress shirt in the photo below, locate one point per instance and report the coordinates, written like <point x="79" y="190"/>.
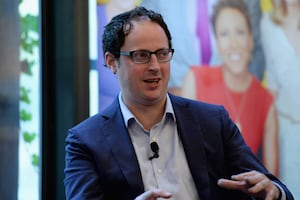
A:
<point x="170" y="170"/>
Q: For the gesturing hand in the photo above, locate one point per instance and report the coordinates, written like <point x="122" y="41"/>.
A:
<point x="254" y="183"/>
<point x="154" y="194"/>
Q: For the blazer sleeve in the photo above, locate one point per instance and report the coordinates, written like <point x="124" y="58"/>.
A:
<point x="248" y="159"/>
<point x="81" y="177"/>
<point x="239" y="156"/>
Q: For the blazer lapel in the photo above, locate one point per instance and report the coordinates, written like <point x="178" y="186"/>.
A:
<point x="122" y="148"/>
<point x="191" y="135"/>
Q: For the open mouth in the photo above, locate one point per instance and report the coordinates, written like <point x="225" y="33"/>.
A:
<point x="152" y="80"/>
<point x="235" y="57"/>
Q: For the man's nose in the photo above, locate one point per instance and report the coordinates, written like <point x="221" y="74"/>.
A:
<point x="153" y="63"/>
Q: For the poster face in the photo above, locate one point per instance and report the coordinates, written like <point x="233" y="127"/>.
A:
<point x="242" y="54"/>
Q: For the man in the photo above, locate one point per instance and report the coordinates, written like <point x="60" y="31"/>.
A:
<point x="150" y="144"/>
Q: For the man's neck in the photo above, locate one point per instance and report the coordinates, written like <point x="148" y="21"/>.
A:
<point x="148" y="115"/>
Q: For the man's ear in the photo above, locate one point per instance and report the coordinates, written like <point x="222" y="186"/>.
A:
<point x="111" y="62"/>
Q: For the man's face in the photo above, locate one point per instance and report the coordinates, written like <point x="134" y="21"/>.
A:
<point x="144" y="84"/>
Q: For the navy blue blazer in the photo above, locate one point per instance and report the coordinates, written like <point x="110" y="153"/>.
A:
<point x="101" y="162"/>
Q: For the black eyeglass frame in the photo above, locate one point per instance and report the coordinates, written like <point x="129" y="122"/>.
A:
<point x="149" y="53"/>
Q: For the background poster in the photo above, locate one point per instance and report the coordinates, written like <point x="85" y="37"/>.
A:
<point x="247" y="60"/>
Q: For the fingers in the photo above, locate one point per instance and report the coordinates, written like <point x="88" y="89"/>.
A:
<point x="154" y="194"/>
<point x="253" y="182"/>
<point x="245" y="175"/>
<point x="256" y="181"/>
<point x="162" y="194"/>
<point x="237" y="182"/>
<point x="233" y="185"/>
<point x="273" y="194"/>
<point x="258" y="185"/>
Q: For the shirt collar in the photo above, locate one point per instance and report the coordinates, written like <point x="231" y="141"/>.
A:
<point x="127" y="114"/>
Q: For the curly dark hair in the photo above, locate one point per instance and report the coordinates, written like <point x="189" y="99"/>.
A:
<point x="236" y="4"/>
<point x="117" y="29"/>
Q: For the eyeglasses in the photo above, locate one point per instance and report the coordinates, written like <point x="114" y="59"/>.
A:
<point x="144" y="56"/>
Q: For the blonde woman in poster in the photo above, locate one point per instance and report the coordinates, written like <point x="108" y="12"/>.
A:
<point x="281" y="39"/>
<point x="232" y="85"/>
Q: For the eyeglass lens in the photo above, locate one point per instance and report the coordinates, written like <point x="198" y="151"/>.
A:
<point x="163" y="55"/>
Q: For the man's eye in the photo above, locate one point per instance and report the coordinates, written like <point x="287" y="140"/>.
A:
<point x="163" y="53"/>
<point x="141" y="54"/>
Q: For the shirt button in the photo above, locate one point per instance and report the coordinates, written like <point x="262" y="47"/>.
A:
<point x="159" y="170"/>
